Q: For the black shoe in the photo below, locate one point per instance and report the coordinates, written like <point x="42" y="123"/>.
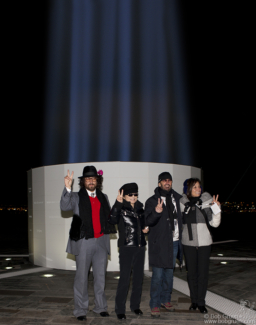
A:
<point x="138" y="312"/>
<point x="121" y="316"/>
<point x="81" y="317"/>
<point x="104" y="314"/>
<point x="193" y="306"/>
<point x="202" y="309"/>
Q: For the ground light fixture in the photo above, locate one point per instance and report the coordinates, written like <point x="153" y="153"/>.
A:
<point x="47" y="275"/>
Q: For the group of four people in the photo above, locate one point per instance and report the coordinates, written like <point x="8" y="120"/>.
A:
<point x="174" y="223"/>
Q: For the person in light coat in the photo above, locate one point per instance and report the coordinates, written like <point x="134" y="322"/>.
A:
<point x="198" y="218"/>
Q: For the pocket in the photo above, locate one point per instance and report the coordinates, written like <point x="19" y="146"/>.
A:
<point x="154" y="246"/>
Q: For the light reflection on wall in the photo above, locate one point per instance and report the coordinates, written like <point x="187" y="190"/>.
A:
<point x="115" y="87"/>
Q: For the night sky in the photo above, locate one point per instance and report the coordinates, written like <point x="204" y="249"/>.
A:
<point x="217" y="43"/>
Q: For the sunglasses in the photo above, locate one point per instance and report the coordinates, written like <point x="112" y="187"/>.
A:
<point x="133" y="194"/>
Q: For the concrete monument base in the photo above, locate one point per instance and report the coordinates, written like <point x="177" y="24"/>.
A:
<point x="48" y="226"/>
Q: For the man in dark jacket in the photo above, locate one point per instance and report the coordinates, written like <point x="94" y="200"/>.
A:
<point x="88" y="238"/>
<point x="163" y="216"/>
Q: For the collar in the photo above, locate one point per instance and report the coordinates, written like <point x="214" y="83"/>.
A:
<point x="137" y="206"/>
<point x="90" y="193"/>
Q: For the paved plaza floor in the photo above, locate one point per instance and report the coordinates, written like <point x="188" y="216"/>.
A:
<point x="34" y="299"/>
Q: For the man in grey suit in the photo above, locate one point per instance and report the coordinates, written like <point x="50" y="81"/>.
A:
<point x="88" y="238"/>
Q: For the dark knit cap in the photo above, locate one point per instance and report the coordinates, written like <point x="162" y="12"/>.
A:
<point x="89" y="171"/>
<point x="185" y="186"/>
<point x="129" y="188"/>
<point x="164" y="175"/>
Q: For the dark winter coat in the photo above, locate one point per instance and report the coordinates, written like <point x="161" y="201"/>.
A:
<point x="160" y="237"/>
<point x="83" y="227"/>
<point x="130" y="223"/>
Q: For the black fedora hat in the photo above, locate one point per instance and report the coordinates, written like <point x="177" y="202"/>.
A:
<point x="89" y="171"/>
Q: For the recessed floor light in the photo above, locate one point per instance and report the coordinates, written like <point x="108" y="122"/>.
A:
<point x="47" y="275"/>
<point x="116" y="277"/>
<point x="8" y="267"/>
<point x="224" y="262"/>
<point x="220" y="254"/>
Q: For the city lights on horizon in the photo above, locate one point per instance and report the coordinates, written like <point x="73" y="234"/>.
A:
<point x="230" y="207"/>
<point x="227" y="207"/>
<point x="12" y="208"/>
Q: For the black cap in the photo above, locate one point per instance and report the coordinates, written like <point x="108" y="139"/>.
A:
<point x="164" y="175"/>
<point x="89" y="171"/>
<point x="129" y="188"/>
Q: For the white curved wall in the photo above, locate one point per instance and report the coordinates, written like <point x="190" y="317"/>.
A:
<point x="49" y="226"/>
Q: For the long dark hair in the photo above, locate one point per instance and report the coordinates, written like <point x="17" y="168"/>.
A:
<point x="190" y="183"/>
<point x="99" y="182"/>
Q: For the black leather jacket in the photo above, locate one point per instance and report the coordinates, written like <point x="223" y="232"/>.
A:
<point x="130" y="223"/>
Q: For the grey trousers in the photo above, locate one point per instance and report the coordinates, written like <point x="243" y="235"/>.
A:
<point x="93" y="251"/>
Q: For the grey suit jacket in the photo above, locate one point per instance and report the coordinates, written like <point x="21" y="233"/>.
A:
<point x="70" y="201"/>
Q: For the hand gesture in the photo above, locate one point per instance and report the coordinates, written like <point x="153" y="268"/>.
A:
<point x="68" y="180"/>
<point x="120" y="196"/>
<point x="145" y="230"/>
<point x="215" y="200"/>
<point x="159" y="207"/>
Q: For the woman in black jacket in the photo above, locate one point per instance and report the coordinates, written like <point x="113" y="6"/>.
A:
<point x="128" y="213"/>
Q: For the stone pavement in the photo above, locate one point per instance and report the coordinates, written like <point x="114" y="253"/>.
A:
<point x="35" y="300"/>
<point x="235" y="280"/>
<point x="32" y="299"/>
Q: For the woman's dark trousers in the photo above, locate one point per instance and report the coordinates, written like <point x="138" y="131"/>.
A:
<point x="197" y="262"/>
<point x="130" y="258"/>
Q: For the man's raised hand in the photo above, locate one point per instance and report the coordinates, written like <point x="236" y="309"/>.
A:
<point x="68" y="180"/>
<point x="159" y="207"/>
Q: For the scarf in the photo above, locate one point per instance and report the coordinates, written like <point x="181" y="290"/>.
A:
<point x="190" y="213"/>
<point x="170" y="205"/>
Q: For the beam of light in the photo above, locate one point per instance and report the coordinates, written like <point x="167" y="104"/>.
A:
<point x="147" y="60"/>
<point x="57" y="84"/>
<point x="124" y="78"/>
<point x="115" y="85"/>
<point x="106" y="77"/>
<point x="162" y="84"/>
<point x="180" y="107"/>
<point x="80" y="75"/>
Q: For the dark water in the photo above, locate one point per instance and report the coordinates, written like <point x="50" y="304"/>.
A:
<point x="14" y="230"/>
<point x="238" y="226"/>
